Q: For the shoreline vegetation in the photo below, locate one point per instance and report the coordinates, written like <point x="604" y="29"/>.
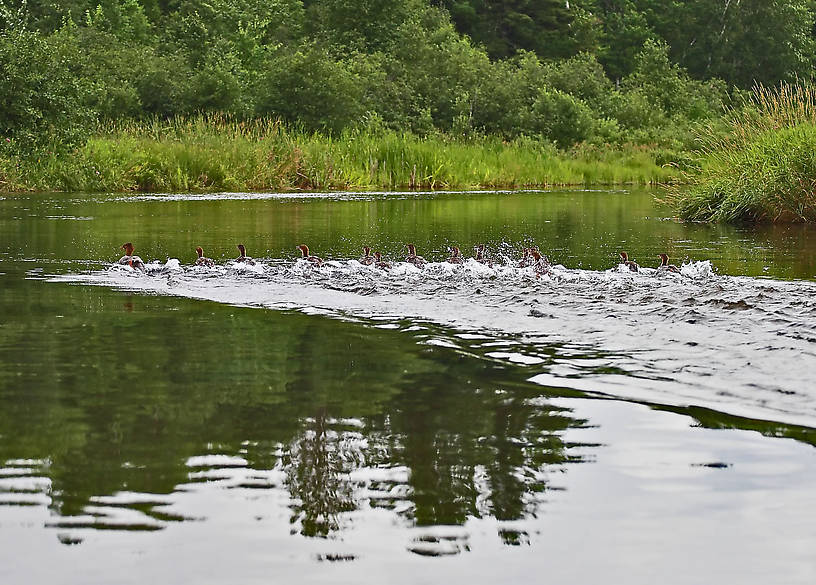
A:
<point x="757" y="164"/>
<point x="213" y="153"/>
<point x="762" y="169"/>
<point x="250" y="95"/>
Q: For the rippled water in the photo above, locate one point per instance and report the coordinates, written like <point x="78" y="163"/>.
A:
<point x="346" y="423"/>
<point x="740" y="345"/>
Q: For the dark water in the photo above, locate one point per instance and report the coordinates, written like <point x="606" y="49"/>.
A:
<point x="345" y="424"/>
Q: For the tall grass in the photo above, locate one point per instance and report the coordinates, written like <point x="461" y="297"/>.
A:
<point x="763" y="168"/>
<point x="214" y="153"/>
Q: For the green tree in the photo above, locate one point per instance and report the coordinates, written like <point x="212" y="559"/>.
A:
<point x="741" y="42"/>
<point x="506" y="26"/>
<point x="41" y="94"/>
<point x="307" y="86"/>
<point x="359" y="25"/>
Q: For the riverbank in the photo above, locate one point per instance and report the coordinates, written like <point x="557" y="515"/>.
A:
<point x="762" y="169"/>
<point x="213" y="154"/>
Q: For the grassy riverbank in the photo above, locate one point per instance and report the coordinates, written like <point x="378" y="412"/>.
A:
<point x="763" y="169"/>
<point x="213" y="154"/>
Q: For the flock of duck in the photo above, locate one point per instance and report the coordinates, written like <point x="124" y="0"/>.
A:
<point x="531" y="257"/>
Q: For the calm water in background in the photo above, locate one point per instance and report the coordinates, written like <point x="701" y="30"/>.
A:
<point x="345" y="425"/>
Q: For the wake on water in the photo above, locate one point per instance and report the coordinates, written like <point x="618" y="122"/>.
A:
<point x="739" y="345"/>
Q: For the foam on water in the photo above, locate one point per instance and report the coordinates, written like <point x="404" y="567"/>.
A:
<point x="741" y="345"/>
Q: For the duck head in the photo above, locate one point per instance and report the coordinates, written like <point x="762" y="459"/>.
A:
<point x="128" y="248"/>
<point x="304" y="249"/>
<point x="199" y="251"/>
<point x="242" y="250"/>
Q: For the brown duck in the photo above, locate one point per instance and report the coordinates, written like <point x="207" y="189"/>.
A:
<point x="412" y="257"/>
<point x="366" y="259"/>
<point x="202" y="260"/>
<point x="243" y="258"/>
<point x="480" y="255"/>
<point x="665" y="266"/>
<point x="456" y="256"/>
<point x="630" y="264"/>
<point x="314" y="260"/>
<point x="129" y="259"/>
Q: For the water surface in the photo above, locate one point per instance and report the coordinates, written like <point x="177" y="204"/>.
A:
<point x="466" y="424"/>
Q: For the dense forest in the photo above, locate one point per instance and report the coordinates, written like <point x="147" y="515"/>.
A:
<point x="562" y="70"/>
<point x="557" y="74"/>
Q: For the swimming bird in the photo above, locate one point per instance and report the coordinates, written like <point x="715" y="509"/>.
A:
<point x="129" y="259"/>
<point x="456" y="256"/>
<point x="412" y="257"/>
<point x="367" y="259"/>
<point x="540" y="262"/>
<point x="526" y="259"/>
<point x="480" y="255"/>
<point x="665" y="266"/>
<point x="379" y="263"/>
<point x="630" y="264"/>
<point x="243" y="257"/>
<point x="202" y="260"/>
<point x="314" y="260"/>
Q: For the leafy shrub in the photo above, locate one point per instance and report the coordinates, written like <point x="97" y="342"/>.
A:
<point x="308" y="87"/>
<point x="560" y="117"/>
<point x="41" y="93"/>
<point x="668" y="88"/>
<point x="763" y="168"/>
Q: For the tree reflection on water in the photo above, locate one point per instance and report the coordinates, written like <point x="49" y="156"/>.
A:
<point x="365" y="417"/>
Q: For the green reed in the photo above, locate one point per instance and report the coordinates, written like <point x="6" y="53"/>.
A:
<point x="762" y="168"/>
<point x="213" y="153"/>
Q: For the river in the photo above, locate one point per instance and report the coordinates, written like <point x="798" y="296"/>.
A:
<point x="346" y="423"/>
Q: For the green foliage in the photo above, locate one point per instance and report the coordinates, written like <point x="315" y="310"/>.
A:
<point x="359" y="25"/>
<point x="587" y="72"/>
<point x="161" y="82"/>
<point x="506" y="27"/>
<point x="41" y="94"/>
<point x="625" y="32"/>
<point x="763" y="168"/>
<point x="583" y="77"/>
<point x="198" y="28"/>
<point x="308" y="87"/>
<point x="746" y="42"/>
<point x="560" y="117"/>
<point x="217" y="153"/>
<point x="124" y="19"/>
<point x="668" y="88"/>
<point x="441" y="70"/>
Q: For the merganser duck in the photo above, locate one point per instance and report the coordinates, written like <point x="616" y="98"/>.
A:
<point x="665" y="266"/>
<point x="367" y="259"/>
<point x="456" y="256"/>
<point x="379" y="263"/>
<point x="243" y="257"/>
<point x="630" y="264"/>
<point x="412" y="257"/>
<point x="540" y="262"/>
<point x="480" y="256"/>
<point x="201" y="260"/>
<point x="314" y="260"/>
<point x="129" y="259"/>
<point x="526" y="259"/>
